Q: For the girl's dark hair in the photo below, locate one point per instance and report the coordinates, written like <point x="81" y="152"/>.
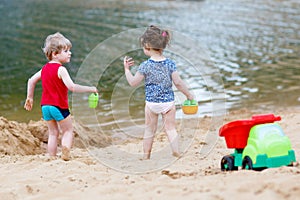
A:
<point x="155" y="38"/>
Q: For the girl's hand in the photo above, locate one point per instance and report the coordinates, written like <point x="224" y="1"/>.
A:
<point x="128" y="62"/>
<point x="190" y="97"/>
<point x="28" y="104"/>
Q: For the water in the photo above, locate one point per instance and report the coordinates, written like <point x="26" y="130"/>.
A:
<point x="253" y="44"/>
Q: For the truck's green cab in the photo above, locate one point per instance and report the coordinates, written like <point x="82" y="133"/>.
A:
<point x="268" y="146"/>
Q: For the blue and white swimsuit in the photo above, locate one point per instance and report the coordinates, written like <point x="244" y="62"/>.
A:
<point x="158" y="83"/>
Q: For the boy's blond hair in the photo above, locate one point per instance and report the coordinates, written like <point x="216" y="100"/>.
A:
<point x="55" y="43"/>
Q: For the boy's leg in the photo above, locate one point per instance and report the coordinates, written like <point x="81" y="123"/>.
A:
<point x="150" y="129"/>
<point x="52" y="137"/>
<point x="170" y="127"/>
<point x="67" y="137"/>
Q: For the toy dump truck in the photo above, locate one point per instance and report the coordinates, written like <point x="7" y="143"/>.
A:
<point x="258" y="143"/>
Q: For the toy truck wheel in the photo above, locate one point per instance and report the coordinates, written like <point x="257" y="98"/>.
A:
<point x="227" y="163"/>
<point x="247" y="163"/>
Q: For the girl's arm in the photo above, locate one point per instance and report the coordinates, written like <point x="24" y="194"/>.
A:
<point x="181" y="86"/>
<point x="64" y="75"/>
<point x="32" y="81"/>
<point x="132" y="80"/>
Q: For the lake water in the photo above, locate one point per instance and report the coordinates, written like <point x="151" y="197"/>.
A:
<point x="250" y="52"/>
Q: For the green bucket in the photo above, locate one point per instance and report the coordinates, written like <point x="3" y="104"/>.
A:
<point x="93" y="100"/>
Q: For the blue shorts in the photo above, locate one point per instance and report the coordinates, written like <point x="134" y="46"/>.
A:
<point x="54" y="113"/>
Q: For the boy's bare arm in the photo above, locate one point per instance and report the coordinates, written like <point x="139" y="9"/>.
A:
<point x="32" y="81"/>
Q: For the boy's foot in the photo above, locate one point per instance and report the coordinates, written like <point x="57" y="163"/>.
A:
<point x="50" y="157"/>
<point x="65" y="154"/>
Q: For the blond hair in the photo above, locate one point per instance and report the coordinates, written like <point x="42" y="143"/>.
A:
<point x="55" y="43"/>
<point x="155" y="38"/>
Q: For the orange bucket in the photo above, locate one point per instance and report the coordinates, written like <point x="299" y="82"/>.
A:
<point x="190" y="107"/>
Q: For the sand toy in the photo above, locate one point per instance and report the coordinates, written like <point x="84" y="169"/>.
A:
<point x="259" y="143"/>
<point x="190" y="107"/>
<point x="93" y="100"/>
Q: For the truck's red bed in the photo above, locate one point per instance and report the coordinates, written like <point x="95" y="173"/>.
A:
<point x="236" y="133"/>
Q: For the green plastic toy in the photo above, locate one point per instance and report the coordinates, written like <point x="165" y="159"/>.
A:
<point x="93" y="100"/>
<point x="258" y="144"/>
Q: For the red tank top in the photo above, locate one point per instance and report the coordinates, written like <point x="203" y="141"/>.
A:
<point x="55" y="92"/>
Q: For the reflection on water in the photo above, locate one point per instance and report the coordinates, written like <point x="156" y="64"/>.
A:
<point x="254" y="44"/>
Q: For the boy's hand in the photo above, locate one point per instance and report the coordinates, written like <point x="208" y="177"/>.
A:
<point x="128" y="62"/>
<point x="95" y="90"/>
<point x="28" y="104"/>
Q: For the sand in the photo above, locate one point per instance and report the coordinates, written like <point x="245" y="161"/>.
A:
<point x="27" y="172"/>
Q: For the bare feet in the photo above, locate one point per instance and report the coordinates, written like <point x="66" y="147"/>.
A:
<point x="175" y="154"/>
<point x="65" y="154"/>
<point x="50" y="158"/>
<point x="146" y="156"/>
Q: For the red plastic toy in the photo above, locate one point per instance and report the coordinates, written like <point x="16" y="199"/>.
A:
<point x="236" y="133"/>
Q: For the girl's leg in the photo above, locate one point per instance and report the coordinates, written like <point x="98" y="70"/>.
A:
<point x="150" y="129"/>
<point x="67" y="137"/>
<point x="170" y="123"/>
<point x="52" y="137"/>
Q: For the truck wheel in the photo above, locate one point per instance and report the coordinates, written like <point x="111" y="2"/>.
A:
<point x="247" y="163"/>
<point x="227" y="163"/>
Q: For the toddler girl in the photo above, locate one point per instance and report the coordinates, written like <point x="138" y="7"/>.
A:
<point x="159" y="73"/>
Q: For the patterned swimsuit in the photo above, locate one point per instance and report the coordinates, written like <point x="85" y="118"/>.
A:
<point x="158" y="80"/>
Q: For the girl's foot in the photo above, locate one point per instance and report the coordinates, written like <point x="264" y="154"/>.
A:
<point x="175" y="154"/>
<point x="65" y="153"/>
<point x="146" y="156"/>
